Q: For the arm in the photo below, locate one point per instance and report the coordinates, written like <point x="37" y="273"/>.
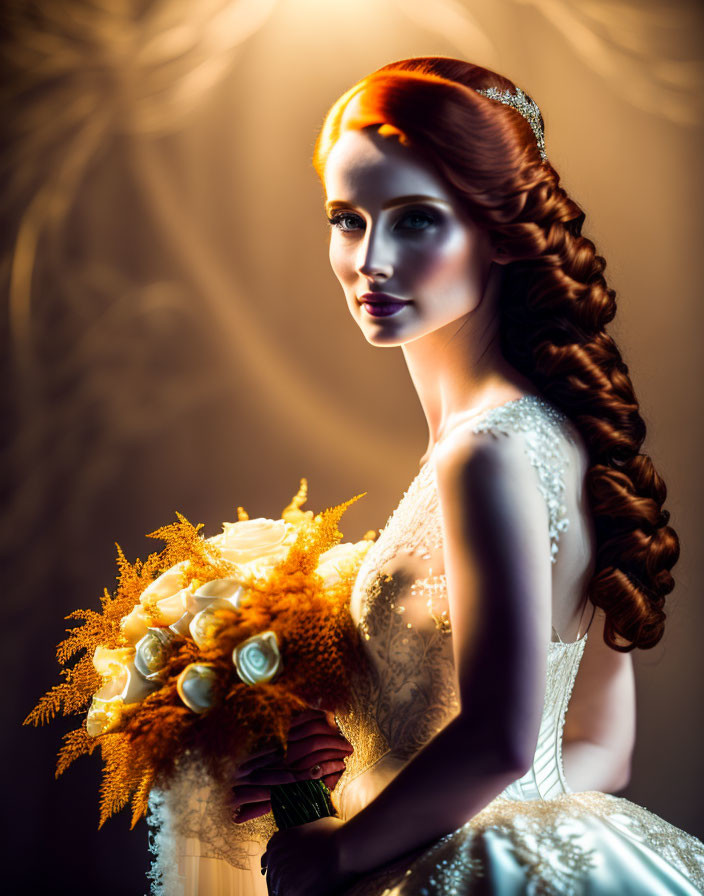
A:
<point x="497" y="563"/>
<point x="600" y="723"/>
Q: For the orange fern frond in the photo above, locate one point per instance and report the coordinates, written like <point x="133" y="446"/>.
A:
<point x="76" y="743"/>
<point x="314" y="539"/>
<point x="95" y="630"/>
<point x="120" y="774"/>
<point x="48" y="707"/>
<point x="140" y="799"/>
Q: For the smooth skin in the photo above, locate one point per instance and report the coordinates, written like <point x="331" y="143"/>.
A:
<point x="496" y="548"/>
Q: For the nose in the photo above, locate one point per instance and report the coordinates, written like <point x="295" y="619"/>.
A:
<point x="374" y="257"/>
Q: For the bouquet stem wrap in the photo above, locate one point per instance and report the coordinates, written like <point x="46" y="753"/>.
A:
<point x="300" y="802"/>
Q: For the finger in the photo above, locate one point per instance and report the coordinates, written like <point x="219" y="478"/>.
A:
<point x="299" y="748"/>
<point x="259" y="784"/>
<point x="321" y="769"/>
<point x="261" y="757"/>
<point x="311" y="726"/>
<point x="305" y="715"/>
<point x="317" y="757"/>
<point x="250" y="811"/>
<point x="248" y="793"/>
<point x="242" y="774"/>
<point x="309" y="732"/>
<point x="331" y="780"/>
<point x="268" y="777"/>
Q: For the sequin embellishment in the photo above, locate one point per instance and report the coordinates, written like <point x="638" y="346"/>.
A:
<point x="540" y="421"/>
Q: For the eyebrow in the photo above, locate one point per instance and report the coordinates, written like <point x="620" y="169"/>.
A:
<point x="400" y="200"/>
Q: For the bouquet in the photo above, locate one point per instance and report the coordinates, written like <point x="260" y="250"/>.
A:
<point x="207" y="649"/>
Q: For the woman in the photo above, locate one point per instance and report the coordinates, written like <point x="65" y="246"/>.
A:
<point x="531" y="545"/>
<point x="533" y="513"/>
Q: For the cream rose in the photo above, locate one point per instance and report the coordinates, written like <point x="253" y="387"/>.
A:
<point x="152" y="652"/>
<point x="257" y="659"/>
<point x="166" y="585"/>
<point x="166" y="597"/>
<point x="196" y="686"/>
<point x="231" y="590"/>
<point x="261" y="539"/>
<point x="103" y="715"/>
<point x="341" y="560"/>
<point x="120" y="675"/>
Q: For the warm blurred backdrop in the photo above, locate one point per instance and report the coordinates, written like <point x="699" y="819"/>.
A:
<point x="175" y="339"/>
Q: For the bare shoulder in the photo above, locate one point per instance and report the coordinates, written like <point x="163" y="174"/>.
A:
<point x="488" y="492"/>
<point x="498" y="459"/>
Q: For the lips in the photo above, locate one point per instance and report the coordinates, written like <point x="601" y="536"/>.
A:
<point x="381" y="304"/>
<point x="381" y="298"/>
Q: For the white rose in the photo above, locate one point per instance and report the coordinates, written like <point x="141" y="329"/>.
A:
<point x="167" y="599"/>
<point x="230" y="590"/>
<point x="204" y="626"/>
<point x="152" y="652"/>
<point x="109" y="662"/>
<point x="196" y="686"/>
<point x="120" y="676"/>
<point x="341" y="560"/>
<point x="135" y="624"/>
<point x="167" y="584"/>
<point x="103" y="715"/>
<point x="255" y="540"/>
<point x="106" y="708"/>
<point x="257" y="659"/>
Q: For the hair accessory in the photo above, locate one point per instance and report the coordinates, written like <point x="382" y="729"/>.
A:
<point x="527" y="107"/>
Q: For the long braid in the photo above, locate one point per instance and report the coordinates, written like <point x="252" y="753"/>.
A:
<point x="554" y="307"/>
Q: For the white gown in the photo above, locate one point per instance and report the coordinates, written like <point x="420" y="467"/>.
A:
<point x="537" y="836"/>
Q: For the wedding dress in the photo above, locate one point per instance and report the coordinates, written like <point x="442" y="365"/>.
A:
<point x="537" y="836"/>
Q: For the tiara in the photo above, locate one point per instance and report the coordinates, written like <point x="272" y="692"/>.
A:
<point x="527" y="107"/>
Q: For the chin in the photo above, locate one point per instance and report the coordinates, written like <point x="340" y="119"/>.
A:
<point x="388" y="339"/>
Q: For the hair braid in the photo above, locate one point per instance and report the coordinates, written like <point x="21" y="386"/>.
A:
<point x="554" y="307"/>
<point x="554" y="310"/>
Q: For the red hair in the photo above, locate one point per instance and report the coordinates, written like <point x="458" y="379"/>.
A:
<point x="554" y="307"/>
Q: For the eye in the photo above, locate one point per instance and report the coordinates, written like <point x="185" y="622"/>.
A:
<point x="421" y="220"/>
<point x="414" y="220"/>
<point x="336" y="220"/>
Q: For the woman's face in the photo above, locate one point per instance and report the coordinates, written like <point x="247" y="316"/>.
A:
<point x="397" y="230"/>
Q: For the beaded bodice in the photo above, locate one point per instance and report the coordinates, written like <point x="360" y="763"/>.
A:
<point x="408" y="692"/>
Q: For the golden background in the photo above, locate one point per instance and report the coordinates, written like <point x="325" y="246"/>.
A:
<point x="175" y="339"/>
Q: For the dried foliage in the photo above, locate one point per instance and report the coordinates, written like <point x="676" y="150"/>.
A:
<point x="317" y="641"/>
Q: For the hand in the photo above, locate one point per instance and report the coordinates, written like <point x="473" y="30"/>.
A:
<point x="304" y="861"/>
<point x="316" y="749"/>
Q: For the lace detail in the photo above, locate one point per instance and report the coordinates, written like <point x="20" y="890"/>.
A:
<point x="413" y="527"/>
<point x="194" y="808"/>
<point x="542" y="423"/>
<point x="546" y="777"/>
<point x="536" y="837"/>
<point x="400" y="596"/>
<point x="166" y="881"/>
<point x="549" y="847"/>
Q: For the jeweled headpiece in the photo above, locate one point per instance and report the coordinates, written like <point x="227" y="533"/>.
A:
<point x="528" y="109"/>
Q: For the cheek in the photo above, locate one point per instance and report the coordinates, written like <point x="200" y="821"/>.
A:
<point x="339" y="261"/>
<point x="446" y="263"/>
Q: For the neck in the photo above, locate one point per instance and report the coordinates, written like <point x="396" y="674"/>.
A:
<point x="459" y="370"/>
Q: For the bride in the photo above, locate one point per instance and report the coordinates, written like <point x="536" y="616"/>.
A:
<point x="527" y="558"/>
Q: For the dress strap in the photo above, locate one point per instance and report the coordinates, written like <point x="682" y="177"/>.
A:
<point x="591" y="618"/>
<point x="542" y="423"/>
<point x="579" y="637"/>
